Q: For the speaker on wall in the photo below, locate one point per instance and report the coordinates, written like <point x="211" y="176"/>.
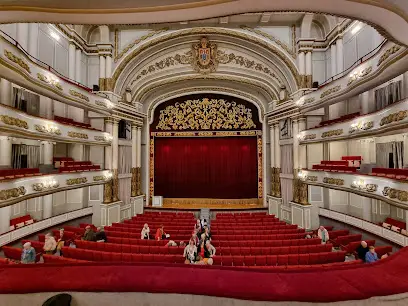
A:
<point x="95" y="87"/>
<point x="315" y="85"/>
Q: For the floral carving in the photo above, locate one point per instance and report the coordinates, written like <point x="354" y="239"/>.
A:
<point x="333" y="181"/>
<point x="77" y="181"/>
<point x="77" y="135"/>
<point x="394" y="117"/>
<point x="102" y="138"/>
<point x="332" y="133"/>
<point x="388" y="53"/>
<point x="310" y="100"/>
<point x="18" y="60"/>
<point x="14" y="121"/>
<point x="392" y="193"/>
<point x="361" y="126"/>
<point x="359" y="75"/>
<point x="364" y="187"/>
<point x="330" y="91"/>
<point x="311" y="178"/>
<point x="54" y="83"/>
<point x="45" y="186"/>
<point x="205" y="114"/>
<point x="99" y="178"/>
<point x="78" y="95"/>
<point x="12" y="193"/>
<point x="47" y="129"/>
<point x="308" y="137"/>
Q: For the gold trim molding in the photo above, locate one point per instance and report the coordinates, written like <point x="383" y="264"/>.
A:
<point x="76" y="181"/>
<point x="12" y="193"/>
<point x="14" y="121"/>
<point x="330" y="91"/>
<point x="49" y="81"/>
<point x="18" y="60"/>
<point x="78" y="95"/>
<point x="332" y="133"/>
<point x="333" y="181"/>
<point x="77" y="135"/>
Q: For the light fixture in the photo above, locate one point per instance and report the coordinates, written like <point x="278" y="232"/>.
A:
<point x="55" y="36"/>
<point x="356" y="28"/>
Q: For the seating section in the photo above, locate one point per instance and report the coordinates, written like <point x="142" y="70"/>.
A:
<point x="69" y="121"/>
<point x="61" y="260"/>
<point x="338" y="120"/>
<point x="15" y="253"/>
<point x="60" y="161"/>
<point x="75" y="166"/>
<point x="351" y="247"/>
<point x="21" y="221"/>
<point x="345" y="240"/>
<point x="347" y="164"/>
<point x="398" y="174"/>
<point x="11" y="174"/>
<point x="394" y="223"/>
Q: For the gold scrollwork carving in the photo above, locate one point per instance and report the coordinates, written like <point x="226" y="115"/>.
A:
<point x="133" y="182"/>
<point x="333" y="181"/>
<point x="12" y="193"/>
<point x="14" y="121"/>
<point x="308" y="137"/>
<point x="78" y="95"/>
<point x="77" y="181"/>
<point x="260" y="168"/>
<point x="394" y="117"/>
<point x="77" y="135"/>
<point x="54" y="83"/>
<point x="361" y="126"/>
<point x="364" y="187"/>
<point x="359" y="75"/>
<point x="205" y="114"/>
<point x="337" y="132"/>
<point x="99" y="178"/>
<point x="310" y="100"/>
<point x="205" y="134"/>
<point x="392" y="193"/>
<point x="388" y="53"/>
<point x="311" y="178"/>
<point x="18" y="60"/>
<point x="102" y="138"/>
<point x="47" y="129"/>
<point x="330" y="91"/>
<point x="45" y="186"/>
<point x="101" y="103"/>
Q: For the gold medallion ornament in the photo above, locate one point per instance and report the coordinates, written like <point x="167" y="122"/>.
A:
<point x="206" y="114"/>
<point x="204" y="56"/>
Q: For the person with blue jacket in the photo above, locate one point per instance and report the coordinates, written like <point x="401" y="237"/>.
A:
<point x="28" y="254"/>
<point x="371" y="255"/>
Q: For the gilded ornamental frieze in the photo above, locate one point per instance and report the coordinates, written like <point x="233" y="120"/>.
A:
<point x="332" y="133"/>
<point x="45" y="186"/>
<point x="364" y="187"/>
<point x="310" y="100"/>
<point x="392" y="193"/>
<point x="77" y="135"/>
<point x="394" y="49"/>
<point x="330" y="91"/>
<point x="394" y="117"/>
<point x="47" y="129"/>
<point x="205" y="114"/>
<point x="357" y="76"/>
<point x="78" y="95"/>
<point x="76" y="181"/>
<point x="13" y="121"/>
<point x="99" y="178"/>
<point x="18" y="60"/>
<point x="311" y="178"/>
<point x="333" y="181"/>
<point x="361" y="126"/>
<point x="103" y="138"/>
<point x="12" y="193"/>
<point x="49" y="81"/>
<point x="308" y="137"/>
<point x="101" y="103"/>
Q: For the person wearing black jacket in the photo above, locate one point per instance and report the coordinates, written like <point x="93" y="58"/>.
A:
<point x="100" y="235"/>
<point x="362" y="250"/>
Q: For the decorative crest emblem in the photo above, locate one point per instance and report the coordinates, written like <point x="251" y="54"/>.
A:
<point x="204" y="54"/>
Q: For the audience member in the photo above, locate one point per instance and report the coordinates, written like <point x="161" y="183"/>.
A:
<point x="201" y="253"/>
<point x="61" y="240"/>
<point x="323" y="234"/>
<point x="100" y="235"/>
<point x="160" y="233"/>
<point x="386" y="255"/>
<point x="50" y="245"/>
<point x="362" y="250"/>
<point x="145" y="234"/>
<point x="203" y="223"/>
<point x="190" y="253"/>
<point x="171" y="243"/>
<point x="89" y="234"/>
<point x="182" y="244"/>
<point x="308" y="236"/>
<point x="209" y="252"/>
<point x="197" y="226"/>
<point x="206" y="234"/>
<point x="371" y="255"/>
<point x="28" y="254"/>
<point x="195" y="238"/>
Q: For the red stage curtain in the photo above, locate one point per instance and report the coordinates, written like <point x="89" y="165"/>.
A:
<point x="213" y="167"/>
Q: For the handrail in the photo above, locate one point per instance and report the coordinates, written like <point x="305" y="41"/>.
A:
<point x="361" y="60"/>
<point x="41" y="63"/>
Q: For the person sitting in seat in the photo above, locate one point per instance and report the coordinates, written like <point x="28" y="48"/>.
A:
<point x="190" y="253"/>
<point x="28" y="254"/>
<point x="100" y="235"/>
<point x="195" y="238"/>
<point x="50" y="245"/>
<point x="160" y="234"/>
<point x="171" y="243"/>
<point x="206" y="234"/>
<point x="371" y="255"/>
<point x="362" y="250"/>
<point x="209" y="252"/>
<point x="182" y="244"/>
<point x="323" y="234"/>
<point x="197" y="226"/>
<point x="61" y="240"/>
<point x="89" y="234"/>
<point x="145" y="234"/>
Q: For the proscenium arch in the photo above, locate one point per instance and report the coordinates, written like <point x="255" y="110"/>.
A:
<point x="286" y="59"/>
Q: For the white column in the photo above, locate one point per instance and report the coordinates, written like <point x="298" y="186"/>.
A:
<point x="71" y="61"/>
<point x="5" y="213"/>
<point x="6" y="90"/>
<point x="46" y="107"/>
<point x="309" y="63"/>
<point x="76" y="151"/>
<point x="139" y="148"/>
<point x="340" y="56"/>
<point x="48" y="149"/>
<point x="302" y="148"/>
<point x="108" y="68"/>
<point x="115" y="144"/>
<point x="22" y="35"/>
<point x="405" y="86"/>
<point x="295" y="132"/>
<point x="78" y="63"/>
<point x="102" y="68"/>
<point x="366" y="203"/>
<point x="108" y="149"/>
<point x="33" y="39"/>
<point x="272" y="145"/>
<point x="134" y="146"/>
<point x="365" y="102"/>
<point x="302" y="63"/>
<point x="5" y="152"/>
<point x="277" y="147"/>
<point x="333" y="59"/>
<point x="47" y="206"/>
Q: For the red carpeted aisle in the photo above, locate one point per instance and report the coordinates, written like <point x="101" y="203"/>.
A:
<point x="383" y="278"/>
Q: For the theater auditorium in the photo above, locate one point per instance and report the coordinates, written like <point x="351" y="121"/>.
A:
<point x="204" y="152"/>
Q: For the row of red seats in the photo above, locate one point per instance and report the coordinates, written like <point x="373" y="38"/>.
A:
<point x="138" y="227"/>
<point x="334" y="162"/>
<point x="344" y="240"/>
<point x="61" y="260"/>
<point x="15" y="253"/>
<point x="68" y="236"/>
<point x="163" y="219"/>
<point x="169" y="222"/>
<point x="9" y="174"/>
<point x="21" y="221"/>
<point x="73" y="123"/>
<point x="266" y="243"/>
<point x="5" y="261"/>
<point x="186" y="232"/>
<point x="259" y="237"/>
<point x="351" y="247"/>
<point x="344" y="169"/>
<point x="215" y="228"/>
<point x="167" y="213"/>
<point x="77" y="163"/>
<point x="396" y="223"/>
<point x="334" y="234"/>
<point x="111" y="233"/>
<point x="141" y="249"/>
<point x="227" y="260"/>
<point x="399" y="174"/>
<point x="241" y="215"/>
<point x="79" y="168"/>
<point x="246" y="222"/>
<point x="337" y="120"/>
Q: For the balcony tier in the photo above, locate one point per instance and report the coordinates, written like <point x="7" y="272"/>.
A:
<point x="392" y="118"/>
<point x="385" y="189"/>
<point x="14" y="191"/>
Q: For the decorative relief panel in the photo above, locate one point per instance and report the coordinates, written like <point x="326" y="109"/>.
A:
<point x="330" y="91"/>
<point x="12" y="193"/>
<point x="359" y="75"/>
<point x="45" y="186"/>
<point x="18" y="60"/>
<point x="14" y="121"/>
<point x="392" y="193"/>
<point x="332" y="133"/>
<point x="54" y="83"/>
<point x="77" y="181"/>
<point x="78" y="95"/>
<point x="361" y="126"/>
<point x="77" y="135"/>
<point x="47" y="129"/>
<point x="394" y="117"/>
<point x="388" y="53"/>
<point x="333" y="181"/>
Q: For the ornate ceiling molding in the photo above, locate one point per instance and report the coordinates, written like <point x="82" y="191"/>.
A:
<point x="207" y="31"/>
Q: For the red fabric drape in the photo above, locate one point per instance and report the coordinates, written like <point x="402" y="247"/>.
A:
<point x="196" y="167"/>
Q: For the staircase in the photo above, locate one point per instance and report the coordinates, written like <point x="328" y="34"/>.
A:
<point x="205" y="214"/>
